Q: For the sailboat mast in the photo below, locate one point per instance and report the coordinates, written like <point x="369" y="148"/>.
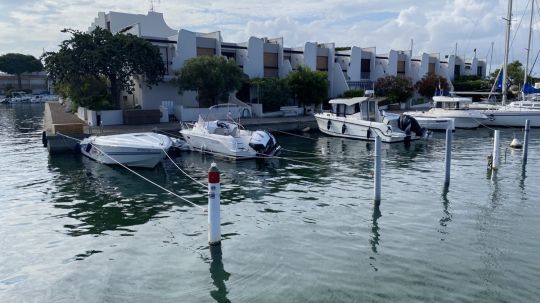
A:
<point x="506" y="49"/>
<point x="529" y="45"/>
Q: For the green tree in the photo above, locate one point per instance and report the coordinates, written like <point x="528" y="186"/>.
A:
<point x="307" y="86"/>
<point x="352" y="93"/>
<point x="515" y="73"/>
<point x="212" y="77"/>
<point x="396" y="89"/>
<point x="471" y="83"/>
<point x="429" y="84"/>
<point x="271" y="92"/>
<point x="100" y="54"/>
<point x="16" y="64"/>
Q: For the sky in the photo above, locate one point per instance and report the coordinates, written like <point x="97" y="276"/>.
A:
<point x="435" y="26"/>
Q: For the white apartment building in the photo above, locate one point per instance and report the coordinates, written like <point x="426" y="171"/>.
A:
<point x="356" y="67"/>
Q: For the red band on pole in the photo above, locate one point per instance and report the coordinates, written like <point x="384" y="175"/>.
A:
<point x="213" y="177"/>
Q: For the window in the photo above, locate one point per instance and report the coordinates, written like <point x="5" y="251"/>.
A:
<point x="365" y="69"/>
<point x="401" y="68"/>
<point x="431" y="68"/>
<point x="457" y="71"/>
<point x="164" y="50"/>
<point x="479" y="71"/>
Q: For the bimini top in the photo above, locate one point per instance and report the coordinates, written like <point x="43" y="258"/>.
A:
<point x="349" y="102"/>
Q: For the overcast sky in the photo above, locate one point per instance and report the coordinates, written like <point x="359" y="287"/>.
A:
<point x="30" y="26"/>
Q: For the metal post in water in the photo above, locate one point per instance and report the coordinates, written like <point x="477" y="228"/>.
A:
<point x="448" y="157"/>
<point x="496" y="150"/>
<point x="526" y="140"/>
<point x="377" y="171"/>
<point x="214" y="217"/>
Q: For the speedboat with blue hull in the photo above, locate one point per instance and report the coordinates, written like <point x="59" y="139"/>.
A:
<point x="137" y="149"/>
<point x="360" y="118"/>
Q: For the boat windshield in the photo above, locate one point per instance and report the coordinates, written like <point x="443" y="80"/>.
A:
<point x="369" y="111"/>
<point x="451" y="105"/>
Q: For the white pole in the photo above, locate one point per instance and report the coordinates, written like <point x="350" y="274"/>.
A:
<point x="377" y="170"/>
<point x="448" y="157"/>
<point x="526" y="140"/>
<point x="214" y="224"/>
<point x="496" y="149"/>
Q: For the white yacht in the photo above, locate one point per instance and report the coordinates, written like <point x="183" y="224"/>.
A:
<point x="227" y="139"/>
<point x="360" y="118"/>
<point x="454" y="107"/>
<point x="138" y="149"/>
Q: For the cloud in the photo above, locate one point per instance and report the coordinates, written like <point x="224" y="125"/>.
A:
<point x="435" y="26"/>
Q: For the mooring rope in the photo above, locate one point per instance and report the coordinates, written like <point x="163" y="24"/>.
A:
<point x="139" y="175"/>
<point x="291" y="134"/>
<point x="185" y="173"/>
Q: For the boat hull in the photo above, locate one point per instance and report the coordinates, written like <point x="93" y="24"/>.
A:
<point x="138" y="149"/>
<point x="136" y="157"/>
<point x="434" y="123"/>
<point x="227" y="146"/>
<point x="361" y="130"/>
<point x="512" y="118"/>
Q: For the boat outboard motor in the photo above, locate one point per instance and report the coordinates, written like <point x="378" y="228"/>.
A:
<point x="407" y="124"/>
<point x="264" y="143"/>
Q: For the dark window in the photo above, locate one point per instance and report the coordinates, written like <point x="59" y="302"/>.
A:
<point x="457" y="71"/>
<point x="109" y="25"/>
<point x="365" y="68"/>
<point x="479" y="71"/>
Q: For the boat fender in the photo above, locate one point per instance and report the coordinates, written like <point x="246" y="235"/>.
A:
<point x="343" y="128"/>
<point x="44" y="138"/>
<point x="328" y="125"/>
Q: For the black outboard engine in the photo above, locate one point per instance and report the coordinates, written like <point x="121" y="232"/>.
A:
<point x="264" y="143"/>
<point x="407" y="124"/>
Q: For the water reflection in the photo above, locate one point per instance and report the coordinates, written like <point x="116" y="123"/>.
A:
<point x="447" y="216"/>
<point x="375" y="235"/>
<point x="103" y="198"/>
<point x="218" y="275"/>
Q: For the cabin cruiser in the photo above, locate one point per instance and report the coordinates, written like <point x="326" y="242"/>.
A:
<point x="137" y="149"/>
<point x="454" y="107"/>
<point x="360" y="118"/>
<point x="514" y="114"/>
<point x="227" y="139"/>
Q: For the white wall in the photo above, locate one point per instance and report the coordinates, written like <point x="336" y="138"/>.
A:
<point x="339" y="82"/>
<point x="186" y="48"/>
<point x="355" y="64"/>
<point x="310" y="55"/>
<point x="254" y="63"/>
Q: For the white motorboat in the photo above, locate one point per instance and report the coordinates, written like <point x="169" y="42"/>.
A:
<point x="360" y="118"/>
<point x="454" y="107"/>
<point x="137" y="149"/>
<point x="227" y="139"/>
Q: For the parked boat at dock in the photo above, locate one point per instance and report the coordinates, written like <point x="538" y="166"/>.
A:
<point x="360" y="118"/>
<point x="229" y="140"/>
<point x="137" y="149"/>
<point x="454" y="107"/>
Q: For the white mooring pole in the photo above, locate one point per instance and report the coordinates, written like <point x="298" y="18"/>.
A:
<point x="448" y="157"/>
<point x="526" y="140"/>
<point x="377" y="171"/>
<point x="214" y="224"/>
<point x="496" y="150"/>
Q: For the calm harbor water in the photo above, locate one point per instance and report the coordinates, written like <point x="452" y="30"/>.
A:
<point x="73" y="230"/>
